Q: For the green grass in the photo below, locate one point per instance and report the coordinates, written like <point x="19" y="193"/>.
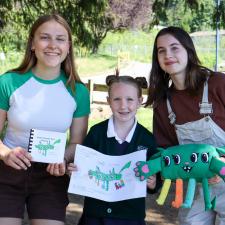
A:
<point x="95" y="64"/>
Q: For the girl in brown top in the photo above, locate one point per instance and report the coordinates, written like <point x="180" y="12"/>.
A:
<point x="189" y="107"/>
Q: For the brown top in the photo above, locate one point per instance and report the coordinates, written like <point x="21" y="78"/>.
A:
<point x="186" y="108"/>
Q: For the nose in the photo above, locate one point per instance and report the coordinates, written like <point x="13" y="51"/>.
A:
<point x="186" y="163"/>
<point x="168" y="53"/>
<point x="52" y="43"/>
<point x="123" y="103"/>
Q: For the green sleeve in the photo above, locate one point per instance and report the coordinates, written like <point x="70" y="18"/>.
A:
<point x="82" y="99"/>
<point x="4" y="92"/>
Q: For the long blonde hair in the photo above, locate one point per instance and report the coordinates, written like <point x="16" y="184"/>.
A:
<point x="30" y="59"/>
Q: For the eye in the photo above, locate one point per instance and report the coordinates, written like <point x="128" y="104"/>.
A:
<point x="194" y="157"/>
<point x="205" y="157"/>
<point x="116" y="99"/>
<point x="167" y="160"/>
<point x="176" y="159"/>
<point x="174" y="48"/>
<point x="130" y="99"/>
<point x="44" y="37"/>
<point x="61" y="40"/>
<point x="160" y="51"/>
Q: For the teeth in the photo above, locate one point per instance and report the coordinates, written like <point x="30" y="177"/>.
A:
<point x="187" y="168"/>
<point x="51" y="53"/>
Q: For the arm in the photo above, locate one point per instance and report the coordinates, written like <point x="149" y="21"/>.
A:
<point x="18" y="158"/>
<point x="78" y="131"/>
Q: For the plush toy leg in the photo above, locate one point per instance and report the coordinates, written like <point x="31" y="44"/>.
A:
<point x="164" y="192"/>
<point x="179" y="194"/>
<point x="190" y="193"/>
<point x="208" y="204"/>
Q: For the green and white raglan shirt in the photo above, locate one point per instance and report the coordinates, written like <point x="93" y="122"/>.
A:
<point x="32" y="102"/>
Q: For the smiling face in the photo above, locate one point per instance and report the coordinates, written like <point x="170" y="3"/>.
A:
<point x="124" y="102"/>
<point x="172" y="56"/>
<point x="188" y="161"/>
<point x="51" y="46"/>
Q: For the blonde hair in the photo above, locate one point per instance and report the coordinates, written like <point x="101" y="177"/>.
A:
<point x="30" y="59"/>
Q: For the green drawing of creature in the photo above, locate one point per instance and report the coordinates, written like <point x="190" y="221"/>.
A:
<point x="106" y="178"/>
<point x="44" y="146"/>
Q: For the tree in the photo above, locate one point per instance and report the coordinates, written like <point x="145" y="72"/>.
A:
<point x="192" y="15"/>
<point x="86" y="17"/>
<point x="90" y="20"/>
<point x="133" y="14"/>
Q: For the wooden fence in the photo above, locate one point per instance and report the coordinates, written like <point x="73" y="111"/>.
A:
<point x="102" y="88"/>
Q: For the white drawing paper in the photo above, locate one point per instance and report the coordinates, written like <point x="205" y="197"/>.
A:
<point x="104" y="177"/>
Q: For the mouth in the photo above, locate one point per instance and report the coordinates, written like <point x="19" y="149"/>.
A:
<point x="169" y="63"/>
<point x="123" y="113"/>
<point x="51" y="53"/>
<point x="187" y="168"/>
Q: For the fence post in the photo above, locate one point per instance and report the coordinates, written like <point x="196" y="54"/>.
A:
<point x="91" y="88"/>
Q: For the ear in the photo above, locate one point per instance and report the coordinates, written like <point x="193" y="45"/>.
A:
<point x="32" y="45"/>
<point x="108" y="100"/>
<point x="221" y="150"/>
<point x="140" y="101"/>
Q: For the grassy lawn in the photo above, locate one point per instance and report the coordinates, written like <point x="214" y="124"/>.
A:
<point x="95" y="64"/>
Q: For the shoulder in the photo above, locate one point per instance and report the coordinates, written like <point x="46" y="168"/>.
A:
<point x="145" y="133"/>
<point x="80" y="88"/>
<point x="12" y="80"/>
<point x="100" y="127"/>
<point x="13" y="77"/>
<point x="217" y="79"/>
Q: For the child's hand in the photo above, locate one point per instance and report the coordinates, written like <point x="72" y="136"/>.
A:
<point x="151" y="182"/>
<point x="56" y="169"/>
<point x="70" y="168"/>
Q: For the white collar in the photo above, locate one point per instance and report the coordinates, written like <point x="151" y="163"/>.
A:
<point x="112" y="133"/>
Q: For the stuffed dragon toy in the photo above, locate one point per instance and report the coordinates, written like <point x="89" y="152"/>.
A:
<point x="195" y="163"/>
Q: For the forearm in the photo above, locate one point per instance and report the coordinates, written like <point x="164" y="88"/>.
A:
<point x="70" y="152"/>
<point x="4" y="150"/>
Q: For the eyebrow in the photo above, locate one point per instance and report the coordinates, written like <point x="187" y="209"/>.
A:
<point x="173" y="44"/>
<point x="58" y="35"/>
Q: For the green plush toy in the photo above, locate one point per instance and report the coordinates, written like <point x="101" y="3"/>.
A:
<point x="190" y="162"/>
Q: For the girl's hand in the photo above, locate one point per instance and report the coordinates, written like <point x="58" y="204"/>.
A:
<point x="18" y="158"/>
<point x="151" y="182"/>
<point x="70" y="168"/>
<point x="216" y="179"/>
<point x="56" y="169"/>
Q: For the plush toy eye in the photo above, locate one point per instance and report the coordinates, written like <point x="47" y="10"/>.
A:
<point x="176" y="159"/>
<point x="205" y="157"/>
<point x="167" y="160"/>
<point x="194" y="157"/>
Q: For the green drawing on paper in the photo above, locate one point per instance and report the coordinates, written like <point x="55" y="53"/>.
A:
<point x="106" y="178"/>
<point x="45" y="145"/>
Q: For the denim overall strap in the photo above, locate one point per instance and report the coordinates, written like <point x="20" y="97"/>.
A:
<point x="205" y="106"/>
<point x="171" y="116"/>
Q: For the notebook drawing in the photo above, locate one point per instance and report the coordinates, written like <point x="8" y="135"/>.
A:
<point x="47" y="146"/>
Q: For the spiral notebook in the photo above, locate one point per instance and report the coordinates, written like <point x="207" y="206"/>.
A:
<point x="47" y="146"/>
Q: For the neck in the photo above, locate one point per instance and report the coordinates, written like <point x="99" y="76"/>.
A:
<point x="45" y="73"/>
<point x="179" y="81"/>
<point x="123" y="129"/>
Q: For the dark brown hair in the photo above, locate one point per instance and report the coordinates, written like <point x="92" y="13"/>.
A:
<point x="30" y="59"/>
<point x="195" y="73"/>
<point x="138" y="82"/>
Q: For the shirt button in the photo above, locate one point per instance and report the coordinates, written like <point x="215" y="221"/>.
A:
<point x="109" y="210"/>
<point x="207" y="119"/>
